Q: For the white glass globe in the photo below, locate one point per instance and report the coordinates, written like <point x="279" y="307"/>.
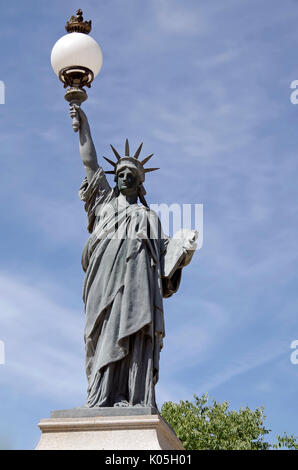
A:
<point x="76" y="49"/>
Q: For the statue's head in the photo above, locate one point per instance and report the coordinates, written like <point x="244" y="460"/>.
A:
<point x="128" y="180"/>
<point x="129" y="171"/>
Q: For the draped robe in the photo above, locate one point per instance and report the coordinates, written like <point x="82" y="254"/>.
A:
<point x="123" y="294"/>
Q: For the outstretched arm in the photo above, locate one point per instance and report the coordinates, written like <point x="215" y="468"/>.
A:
<point x="87" y="149"/>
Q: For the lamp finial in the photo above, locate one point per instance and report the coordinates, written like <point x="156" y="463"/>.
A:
<point x="77" y="25"/>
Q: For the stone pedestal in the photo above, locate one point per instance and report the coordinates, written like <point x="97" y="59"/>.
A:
<point x="109" y="429"/>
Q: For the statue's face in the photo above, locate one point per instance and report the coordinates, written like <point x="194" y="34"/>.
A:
<point x="128" y="181"/>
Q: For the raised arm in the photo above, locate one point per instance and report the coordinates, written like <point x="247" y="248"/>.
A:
<point x="87" y="149"/>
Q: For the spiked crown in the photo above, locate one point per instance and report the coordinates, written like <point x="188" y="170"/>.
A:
<point x="128" y="161"/>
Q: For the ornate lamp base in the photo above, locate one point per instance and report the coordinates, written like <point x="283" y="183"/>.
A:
<point x="76" y="77"/>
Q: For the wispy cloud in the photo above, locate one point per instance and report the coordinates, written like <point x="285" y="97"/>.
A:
<point x="243" y="364"/>
<point x="43" y="342"/>
<point x="176" y="18"/>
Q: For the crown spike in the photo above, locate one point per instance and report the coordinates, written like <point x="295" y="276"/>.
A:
<point x="126" y="148"/>
<point x="136" y="155"/>
<point x="110" y="161"/>
<point x="150" y="169"/>
<point x="115" y="152"/>
<point x="146" y="159"/>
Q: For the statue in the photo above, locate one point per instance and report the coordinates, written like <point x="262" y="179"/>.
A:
<point x="130" y="265"/>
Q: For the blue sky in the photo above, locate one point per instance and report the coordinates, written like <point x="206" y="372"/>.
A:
<point x="206" y="86"/>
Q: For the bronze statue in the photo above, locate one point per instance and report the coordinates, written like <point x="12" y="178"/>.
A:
<point x="130" y="265"/>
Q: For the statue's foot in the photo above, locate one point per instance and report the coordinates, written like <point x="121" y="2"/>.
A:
<point x="144" y="405"/>
<point x="122" y="403"/>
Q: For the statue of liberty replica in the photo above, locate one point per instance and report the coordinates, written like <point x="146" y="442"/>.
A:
<point x="130" y="266"/>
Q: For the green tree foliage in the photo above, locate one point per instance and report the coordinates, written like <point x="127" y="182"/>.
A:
<point x="204" y="425"/>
